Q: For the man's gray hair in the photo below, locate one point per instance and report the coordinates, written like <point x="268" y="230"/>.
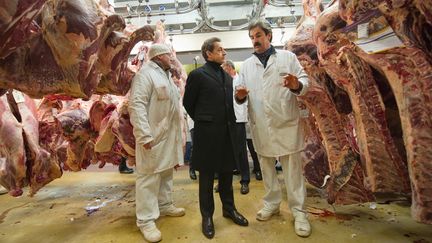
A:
<point x="229" y="63"/>
<point x="262" y="24"/>
<point x="208" y="45"/>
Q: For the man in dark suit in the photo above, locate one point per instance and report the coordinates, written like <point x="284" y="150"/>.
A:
<point x="208" y="99"/>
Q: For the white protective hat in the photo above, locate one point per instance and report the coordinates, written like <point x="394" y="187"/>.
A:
<point x="158" y="49"/>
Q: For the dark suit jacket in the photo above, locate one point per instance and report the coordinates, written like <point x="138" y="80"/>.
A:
<point x="208" y="99"/>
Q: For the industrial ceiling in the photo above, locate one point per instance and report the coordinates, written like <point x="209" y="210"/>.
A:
<point x="198" y="16"/>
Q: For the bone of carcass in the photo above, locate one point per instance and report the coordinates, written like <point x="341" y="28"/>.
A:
<point x="329" y="126"/>
<point x="113" y="60"/>
<point x="384" y="167"/>
<point x="75" y="30"/>
<point x="16" y="23"/>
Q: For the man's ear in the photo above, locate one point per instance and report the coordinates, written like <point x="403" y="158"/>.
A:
<point x="208" y="54"/>
<point x="270" y="35"/>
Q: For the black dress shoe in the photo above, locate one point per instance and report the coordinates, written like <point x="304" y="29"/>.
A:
<point x="126" y="171"/>
<point x="192" y="174"/>
<point x="258" y="175"/>
<point x="244" y="188"/>
<point x="123" y="169"/>
<point x="208" y="227"/>
<point x="236" y="217"/>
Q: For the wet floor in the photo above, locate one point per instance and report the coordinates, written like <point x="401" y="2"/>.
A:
<point x="99" y="207"/>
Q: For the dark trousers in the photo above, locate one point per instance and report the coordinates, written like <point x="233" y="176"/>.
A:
<point x="253" y="155"/>
<point x="243" y="163"/>
<point x="192" y="143"/>
<point x="226" y="195"/>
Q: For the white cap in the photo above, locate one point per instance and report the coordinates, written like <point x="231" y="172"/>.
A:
<point x="158" y="49"/>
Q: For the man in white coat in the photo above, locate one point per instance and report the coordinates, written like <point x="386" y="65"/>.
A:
<point x="154" y="108"/>
<point x="271" y="80"/>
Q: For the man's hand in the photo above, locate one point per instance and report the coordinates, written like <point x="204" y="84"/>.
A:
<point x="147" y="146"/>
<point x="241" y="92"/>
<point x="290" y="81"/>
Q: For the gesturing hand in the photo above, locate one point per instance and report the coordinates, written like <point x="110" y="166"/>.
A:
<point x="241" y="92"/>
<point x="290" y="81"/>
<point x="147" y="146"/>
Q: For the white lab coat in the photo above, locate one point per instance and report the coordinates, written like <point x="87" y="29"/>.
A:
<point x="240" y="110"/>
<point x="154" y="110"/>
<point x="274" y="115"/>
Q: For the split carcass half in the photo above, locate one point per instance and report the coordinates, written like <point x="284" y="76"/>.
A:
<point x="408" y="71"/>
<point x="23" y="160"/>
<point x="323" y="99"/>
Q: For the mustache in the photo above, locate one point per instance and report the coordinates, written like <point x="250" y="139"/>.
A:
<point x="257" y="44"/>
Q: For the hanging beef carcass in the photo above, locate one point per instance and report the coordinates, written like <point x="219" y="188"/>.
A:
<point x="408" y="71"/>
<point x="61" y="58"/>
<point x="385" y="169"/>
<point x="123" y="129"/>
<point x="24" y="160"/>
<point x="13" y="166"/>
<point x="16" y="23"/>
<point x="107" y="147"/>
<point x="77" y="132"/>
<point x="33" y="70"/>
<point x="113" y="60"/>
<point x="42" y="168"/>
<point x="73" y="53"/>
<point x="76" y="30"/>
<point x="108" y="114"/>
<point x="50" y="137"/>
<point x="346" y="186"/>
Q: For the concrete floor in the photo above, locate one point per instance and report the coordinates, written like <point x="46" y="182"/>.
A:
<point x="58" y="214"/>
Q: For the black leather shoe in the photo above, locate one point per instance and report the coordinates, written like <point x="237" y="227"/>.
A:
<point x="236" y="217"/>
<point x="244" y="188"/>
<point x="258" y="175"/>
<point x="123" y="169"/>
<point x="192" y="174"/>
<point x="208" y="227"/>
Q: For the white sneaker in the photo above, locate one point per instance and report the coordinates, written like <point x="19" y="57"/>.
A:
<point x="301" y="225"/>
<point x="151" y="233"/>
<point x="265" y="214"/>
<point x="173" y="211"/>
<point x="3" y="190"/>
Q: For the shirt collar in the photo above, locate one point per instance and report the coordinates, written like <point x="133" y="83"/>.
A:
<point x="264" y="57"/>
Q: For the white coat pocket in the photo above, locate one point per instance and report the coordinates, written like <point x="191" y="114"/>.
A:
<point x="160" y="132"/>
<point x="162" y="93"/>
